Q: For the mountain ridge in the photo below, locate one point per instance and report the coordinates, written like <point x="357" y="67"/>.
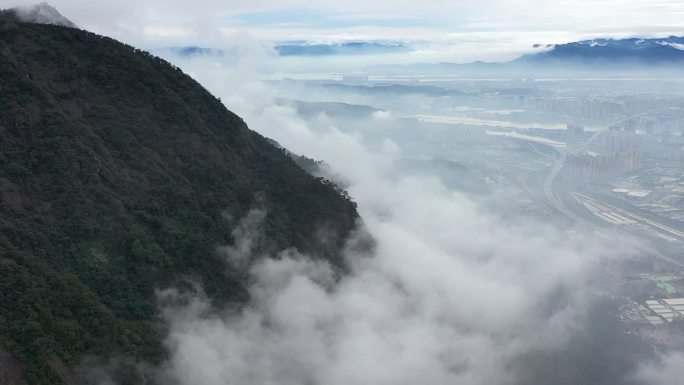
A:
<point x="120" y="176"/>
<point x="628" y="51"/>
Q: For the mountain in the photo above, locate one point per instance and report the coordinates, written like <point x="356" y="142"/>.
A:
<point x="622" y="52"/>
<point x="120" y="176"/>
<point x="610" y="57"/>
<point x="41" y="13"/>
<point x="188" y="51"/>
<point x="295" y="49"/>
<point x="350" y="48"/>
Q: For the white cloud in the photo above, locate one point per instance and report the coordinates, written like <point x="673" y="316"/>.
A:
<point x="154" y="23"/>
<point x="452" y="293"/>
<point x="382" y="115"/>
<point x="165" y="32"/>
<point x="666" y="370"/>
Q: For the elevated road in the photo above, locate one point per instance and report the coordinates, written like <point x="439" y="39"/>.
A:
<point x="552" y="196"/>
<point x="563" y="153"/>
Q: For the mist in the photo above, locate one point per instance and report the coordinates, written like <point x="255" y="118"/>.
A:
<point x="666" y="369"/>
<point x="458" y="287"/>
<point x="495" y="193"/>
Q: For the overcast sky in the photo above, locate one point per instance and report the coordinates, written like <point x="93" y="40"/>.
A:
<point x="518" y="23"/>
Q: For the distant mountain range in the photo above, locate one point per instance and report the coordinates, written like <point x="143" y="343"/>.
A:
<point x="598" y="55"/>
<point x="189" y="51"/>
<point x="298" y="49"/>
<point x="351" y="48"/>
<point x="586" y="55"/>
<point x="668" y="50"/>
<point x="614" y="56"/>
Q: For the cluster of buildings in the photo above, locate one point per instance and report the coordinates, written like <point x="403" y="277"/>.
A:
<point x="621" y="142"/>
<point x="653" y="146"/>
<point x="667" y="126"/>
<point x="580" y="107"/>
<point x="591" y="166"/>
<point x="665" y="310"/>
<point x="620" y="151"/>
<point x="658" y="190"/>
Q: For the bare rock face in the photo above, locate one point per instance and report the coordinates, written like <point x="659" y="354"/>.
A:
<point x="41" y="13"/>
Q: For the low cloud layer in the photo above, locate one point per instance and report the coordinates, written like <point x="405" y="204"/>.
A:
<point x="460" y="31"/>
<point x="423" y="309"/>
<point x="666" y="370"/>
<point x="452" y="293"/>
<point x="140" y="22"/>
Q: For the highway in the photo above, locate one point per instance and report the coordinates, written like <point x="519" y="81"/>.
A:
<point x="549" y="193"/>
<point x="553" y="198"/>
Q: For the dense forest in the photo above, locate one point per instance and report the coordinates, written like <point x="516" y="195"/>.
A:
<point x="119" y="175"/>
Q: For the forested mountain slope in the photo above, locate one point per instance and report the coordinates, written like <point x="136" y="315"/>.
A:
<point x="118" y="174"/>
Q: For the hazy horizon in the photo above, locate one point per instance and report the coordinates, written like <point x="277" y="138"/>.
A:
<point x="461" y="31"/>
